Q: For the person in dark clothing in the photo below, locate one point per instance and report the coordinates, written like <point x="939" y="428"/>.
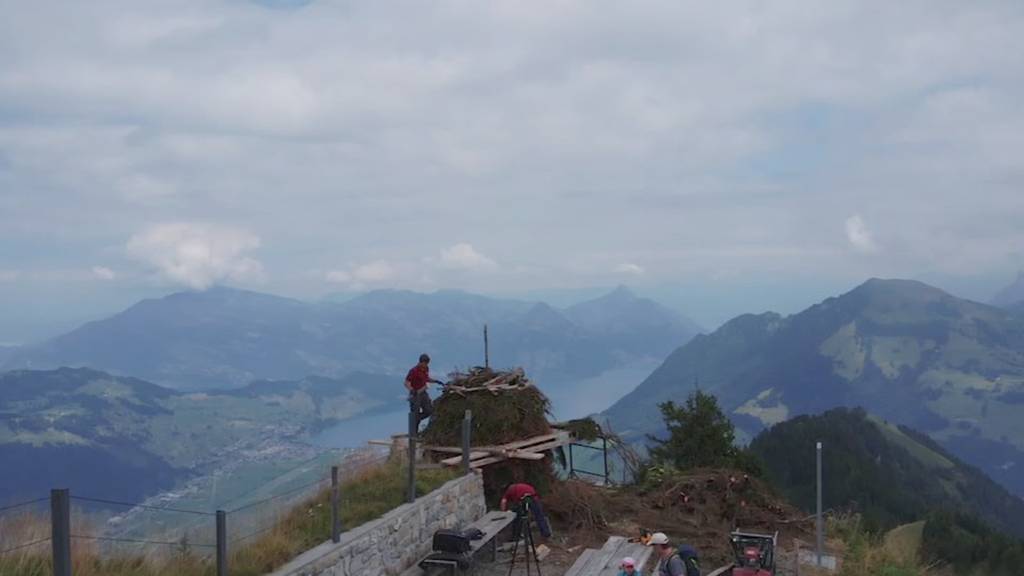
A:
<point x="416" y="383"/>
<point x="521" y="494"/>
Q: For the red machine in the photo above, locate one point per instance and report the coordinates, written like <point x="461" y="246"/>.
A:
<point x="754" y="554"/>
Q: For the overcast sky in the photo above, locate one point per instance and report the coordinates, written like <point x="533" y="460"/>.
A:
<point x="724" y="155"/>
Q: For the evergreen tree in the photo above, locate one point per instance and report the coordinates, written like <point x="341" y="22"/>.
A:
<point x="700" y="435"/>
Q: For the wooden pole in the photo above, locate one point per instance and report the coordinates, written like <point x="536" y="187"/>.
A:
<point x="487" y="349"/>
<point x="60" y="530"/>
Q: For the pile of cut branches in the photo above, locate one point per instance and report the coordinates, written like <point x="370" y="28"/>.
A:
<point x="506" y="408"/>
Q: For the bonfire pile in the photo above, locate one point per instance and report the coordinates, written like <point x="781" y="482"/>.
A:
<point x="506" y="408"/>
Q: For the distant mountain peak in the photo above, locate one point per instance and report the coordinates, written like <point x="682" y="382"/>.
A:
<point x="622" y="292"/>
<point x="896" y="285"/>
<point x="1012" y="294"/>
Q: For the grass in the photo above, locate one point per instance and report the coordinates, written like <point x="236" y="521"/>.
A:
<point x="904" y="542"/>
<point x="867" y="554"/>
<point x="365" y="497"/>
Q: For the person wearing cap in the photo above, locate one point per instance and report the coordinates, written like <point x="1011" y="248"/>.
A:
<point x="629" y="567"/>
<point x="416" y="383"/>
<point x="669" y="562"/>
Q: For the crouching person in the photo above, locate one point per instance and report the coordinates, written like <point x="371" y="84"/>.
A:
<point x="523" y="498"/>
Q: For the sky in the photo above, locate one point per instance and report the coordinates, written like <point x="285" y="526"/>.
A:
<point x="722" y="156"/>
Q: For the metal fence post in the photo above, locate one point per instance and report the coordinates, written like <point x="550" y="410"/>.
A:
<point x="413" y="429"/>
<point x="60" y="530"/>
<point x="335" y="506"/>
<point x="222" y="543"/>
<point x="467" y="428"/>
<point x="604" y="451"/>
<point x="572" y="467"/>
<point x="819" y="522"/>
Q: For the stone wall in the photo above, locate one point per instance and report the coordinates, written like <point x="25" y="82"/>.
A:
<point x="391" y="544"/>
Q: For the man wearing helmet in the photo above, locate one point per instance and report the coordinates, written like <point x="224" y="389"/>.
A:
<point x="416" y="383"/>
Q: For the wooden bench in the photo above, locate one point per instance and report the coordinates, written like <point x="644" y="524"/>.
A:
<point x="605" y="562"/>
<point x="491" y="525"/>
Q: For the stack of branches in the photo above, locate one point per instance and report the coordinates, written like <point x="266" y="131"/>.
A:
<point x="730" y="495"/>
<point x="506" y="408"/>
<point x="579" y="505"/>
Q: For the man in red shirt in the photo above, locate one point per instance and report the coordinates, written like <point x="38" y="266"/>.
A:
<point x="515" y="496"/>
<point x="416" y="383"/>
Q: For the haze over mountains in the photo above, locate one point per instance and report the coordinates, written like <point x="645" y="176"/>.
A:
<point x="1011" y="296"/>
<point x="903" y="350"/>
<point x="122" y="437"/>
<point x="223" y="338"/>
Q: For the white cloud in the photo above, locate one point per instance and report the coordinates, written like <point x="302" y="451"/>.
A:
<point x="463" y="256"/>
<point x="338" y="277"/>
<point x="377" y="273"/>
<point x="374" y="272"/>
<point x="103" y="273"/>
<point x="858" y="234"/>
<point x="629" y="268"/>
<point x="9" y="275"/>
<point x="666" y="133"/>
<point x="197" y="255"/>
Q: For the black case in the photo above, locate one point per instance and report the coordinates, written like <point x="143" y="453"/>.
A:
<point x="451" y="541"/>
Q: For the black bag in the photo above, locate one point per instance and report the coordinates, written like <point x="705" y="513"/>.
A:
<point x="473" y="534"/>
<point x="450" y="541"/>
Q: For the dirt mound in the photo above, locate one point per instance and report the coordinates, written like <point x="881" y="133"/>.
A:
<point x="700" y="508"/>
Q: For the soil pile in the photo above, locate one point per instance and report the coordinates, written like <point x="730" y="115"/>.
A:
<point x="700" y="508"/>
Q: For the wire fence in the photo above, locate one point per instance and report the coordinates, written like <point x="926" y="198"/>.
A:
<point x="104" y="527"/>
<point x="24" y="527"/>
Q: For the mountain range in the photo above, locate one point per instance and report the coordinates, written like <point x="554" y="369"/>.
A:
<point x="905" y="351"/>
<point x="119" y="437"/>
<point x="225" y="338"/>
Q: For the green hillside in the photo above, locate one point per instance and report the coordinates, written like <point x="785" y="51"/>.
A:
<point x="113" y="436"/>
<point x="890" y="474"/>
<point x="934" y="506"/>
<point x="904" y="350"/>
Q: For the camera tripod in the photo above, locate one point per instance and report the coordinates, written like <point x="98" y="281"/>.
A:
<point x="525" y="532"/>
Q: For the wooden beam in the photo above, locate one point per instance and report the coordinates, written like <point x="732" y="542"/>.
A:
<point x="444" y="449"/>
<point x="454" y="460"/>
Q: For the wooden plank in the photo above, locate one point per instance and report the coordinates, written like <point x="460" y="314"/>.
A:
<point x="546" y="446"/>
<point x="580" y="565"/>
<point x="522" y="443"/>
<point x="455" y="460"/>
<point x="638" y="551"/>
<point x="443" y="449"/>
<point x="529" y="449"/>
<point x="491" y="524"/>
<point x="534" y="450"/>
<point x="526" y="455"/>
<point x="607" y="554"/>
